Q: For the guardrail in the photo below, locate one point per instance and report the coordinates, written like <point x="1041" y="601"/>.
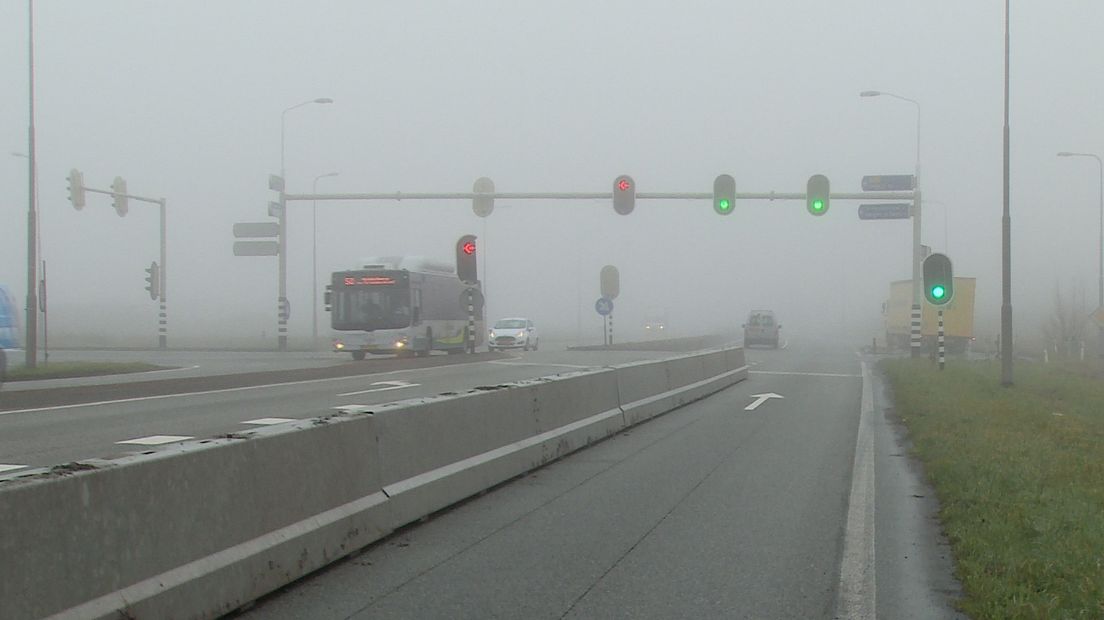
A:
<point x="202" y="529"/>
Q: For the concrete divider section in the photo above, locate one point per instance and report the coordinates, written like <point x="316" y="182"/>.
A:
<point x="649" y="389"/>
<point x="194" y="532"/>
<point x="437" y="452"/>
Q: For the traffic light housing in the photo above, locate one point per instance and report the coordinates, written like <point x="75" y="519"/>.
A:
<point x="466" y="268"/>
<point x="153" y="280"/>
<point x="724" y="194"/>
<point x="938" y="279"/>
<point x="624" y="194"/>
<point x="76" y="189"/>
<point x="119" y="196"/>
<point x="817" y="194"/>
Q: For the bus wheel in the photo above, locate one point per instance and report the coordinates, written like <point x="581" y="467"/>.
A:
<point x="429" y="343"/>
<point x="358" y="355"/>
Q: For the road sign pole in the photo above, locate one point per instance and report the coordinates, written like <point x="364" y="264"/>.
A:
<point x="611" y="328"/>
<point x="282" y="341"/>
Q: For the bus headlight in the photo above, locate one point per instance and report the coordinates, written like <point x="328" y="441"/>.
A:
<point x="339" y="345"/>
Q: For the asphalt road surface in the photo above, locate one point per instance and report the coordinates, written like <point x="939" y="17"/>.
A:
<point x="721" y="509"/>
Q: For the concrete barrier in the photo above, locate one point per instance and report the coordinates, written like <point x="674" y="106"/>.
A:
<point x="200" y="530"/>
<point x="194" y="532"/>
<point x="437" y="452"/>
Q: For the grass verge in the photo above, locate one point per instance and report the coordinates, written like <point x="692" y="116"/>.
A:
<point x="63" y="370"/>
<point x="1019" y="472"/>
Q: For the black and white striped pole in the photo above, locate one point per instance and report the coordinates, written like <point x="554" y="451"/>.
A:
<point x="471" y="321"/>
<point x="611" y="328"/>
<point x="942" y="349"/>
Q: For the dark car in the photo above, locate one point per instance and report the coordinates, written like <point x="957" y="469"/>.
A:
<point x="761" y="328"/>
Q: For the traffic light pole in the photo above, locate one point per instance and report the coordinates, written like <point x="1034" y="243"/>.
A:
<point x="917" y="284"/>
<point x="162" y="317"/>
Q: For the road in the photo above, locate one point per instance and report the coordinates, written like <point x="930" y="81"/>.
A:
<point x="45" y="423"/>
<point x="714" y="510"/>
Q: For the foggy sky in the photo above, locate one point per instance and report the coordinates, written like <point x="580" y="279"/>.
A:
<point x="184" y="101"/>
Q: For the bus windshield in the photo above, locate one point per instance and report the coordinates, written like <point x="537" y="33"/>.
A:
<point x="371" y="307"/>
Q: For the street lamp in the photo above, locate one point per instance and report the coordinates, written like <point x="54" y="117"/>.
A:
<point x="314" y="258"/>
<point x="1100" y="283"/>
<point x="282" y="223"/>
<point x="916" y="245"/>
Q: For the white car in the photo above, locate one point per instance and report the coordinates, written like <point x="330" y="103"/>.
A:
<point x="513" y="333"/>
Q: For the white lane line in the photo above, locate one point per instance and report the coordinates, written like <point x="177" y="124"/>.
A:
<point x="4" y="468"/>
<point x="154" y="440"/>
<point x="857" y="593"/>
<point x="388" y="385"/>
<point x="804" y="374"/>
<point x="269" y="421"/>
<point x="536" y="364"/>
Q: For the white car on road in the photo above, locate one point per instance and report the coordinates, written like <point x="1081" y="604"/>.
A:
<point x="513" y="333"/>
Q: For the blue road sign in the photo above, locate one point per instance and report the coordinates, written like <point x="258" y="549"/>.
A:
<point x="603" y="306"/>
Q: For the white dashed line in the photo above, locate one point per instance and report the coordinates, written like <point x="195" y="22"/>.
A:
<point x="804" y="374"/>
<point x="269" y="421"/>
<point x="155" y="440"/>
<point x="4" y="468"/>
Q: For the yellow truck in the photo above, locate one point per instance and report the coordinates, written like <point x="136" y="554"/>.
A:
<point x="958" y="317"/>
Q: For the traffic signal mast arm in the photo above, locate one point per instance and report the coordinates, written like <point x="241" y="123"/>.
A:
<point x="130" y="196"/>
<point x="902" y="195"/>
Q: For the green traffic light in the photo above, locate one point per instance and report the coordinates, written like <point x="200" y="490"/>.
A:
<point x="938" y="292"/>
<point x="818" y="205"/>
<point x="724" y="204"/>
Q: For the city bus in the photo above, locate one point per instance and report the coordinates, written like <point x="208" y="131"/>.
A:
<point x="401" y="306"/>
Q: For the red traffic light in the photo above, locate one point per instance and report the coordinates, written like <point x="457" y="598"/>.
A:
<point x="468" y="247"/>
<point x="623" y="185"/>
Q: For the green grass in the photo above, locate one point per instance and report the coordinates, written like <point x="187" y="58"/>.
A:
<point x="1019" y="472"/>
<point x="62" y="370"/>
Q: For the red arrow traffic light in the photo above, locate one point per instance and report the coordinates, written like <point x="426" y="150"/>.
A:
<point x="469" y="247"/>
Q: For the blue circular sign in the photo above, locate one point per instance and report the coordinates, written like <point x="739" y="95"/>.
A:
<point x="603" y="306"/>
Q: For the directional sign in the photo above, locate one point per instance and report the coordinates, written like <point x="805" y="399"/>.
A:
<point x="891" y="211"/>
<point x="888" y="183"/>
<point x="760" y="399"/>
<point x="603" y="306"/>
<point x="256" y="248"/>
<point x="256" y="229"/>
<point x="275" y="183"/>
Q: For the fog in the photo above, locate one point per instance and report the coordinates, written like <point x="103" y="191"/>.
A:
<point x="185" y="100"/>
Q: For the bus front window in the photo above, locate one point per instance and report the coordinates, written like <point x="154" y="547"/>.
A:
<point x="365" y="308"/>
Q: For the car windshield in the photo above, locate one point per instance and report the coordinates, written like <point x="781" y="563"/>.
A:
<point x="510" y="324"/>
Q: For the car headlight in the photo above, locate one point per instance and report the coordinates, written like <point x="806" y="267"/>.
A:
<point x="492" y="333"/>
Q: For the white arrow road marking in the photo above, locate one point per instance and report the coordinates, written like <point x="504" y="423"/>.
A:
<point x="4" y="468"/>
<point x="268" y="421"/>
<point x="388" y="385"/>
<point x="760" y="399"/>
<point x="155" y="440"/>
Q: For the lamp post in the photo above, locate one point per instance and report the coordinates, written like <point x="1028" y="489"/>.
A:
<point x="917" y="258"/>
<point x="1100" y="281"/>
<point x="281" y="302"/>
<point x="31" y="343"/>
<point x="314" y="258"/>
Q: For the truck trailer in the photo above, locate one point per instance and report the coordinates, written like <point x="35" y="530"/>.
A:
<point x="958" y="317"/>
